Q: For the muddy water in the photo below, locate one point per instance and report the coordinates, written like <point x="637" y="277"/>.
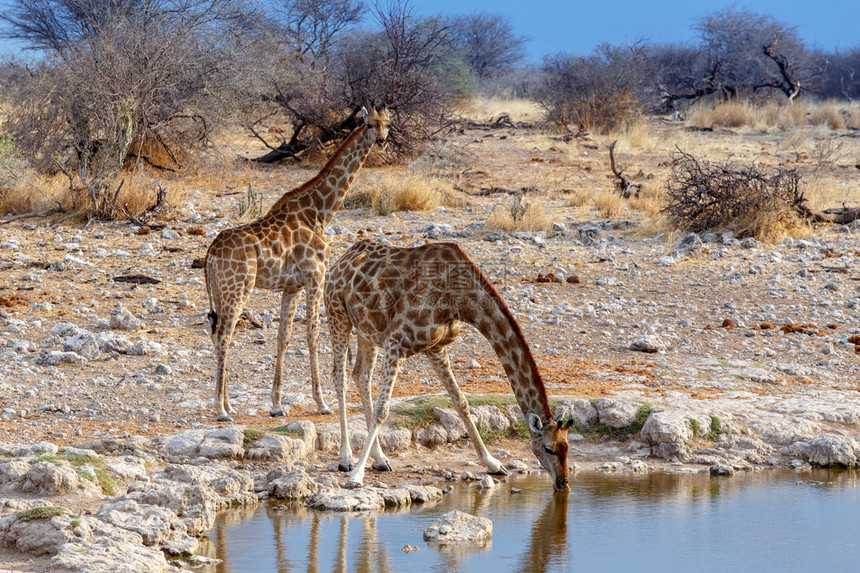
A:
<point x="762" y="521"/>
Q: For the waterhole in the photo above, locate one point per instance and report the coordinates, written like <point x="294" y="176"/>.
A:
<point x="776" y="520"/>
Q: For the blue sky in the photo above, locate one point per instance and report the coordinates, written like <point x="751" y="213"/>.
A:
<point x="577" y="26"/>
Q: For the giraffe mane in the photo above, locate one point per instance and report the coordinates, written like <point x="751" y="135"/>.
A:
<point x="512" y="323"/>
<point x="323" y="172"/>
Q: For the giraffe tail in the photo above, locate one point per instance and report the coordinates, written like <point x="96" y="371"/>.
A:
<point x="213" y="319"/>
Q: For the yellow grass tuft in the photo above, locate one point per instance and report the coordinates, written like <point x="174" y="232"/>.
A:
<point x="829" y="114"/>
<point x="581" y="196"/>
<point x="393" y="192"/>
<point x="484" y="109"/>
<point x="638" y="134"/>
<point x="609" y="204"/>
<point x="520" y="215"/>
<point x="650" y="200"/>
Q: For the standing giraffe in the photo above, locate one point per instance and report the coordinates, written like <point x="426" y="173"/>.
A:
<point x="407" y="301"/>
<point x="284" y="250"/>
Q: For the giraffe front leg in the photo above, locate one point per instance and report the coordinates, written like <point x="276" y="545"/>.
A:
<point x="391" y="366"/>
<point x="362" y="375"/>
<point x="314" y="296"/>
<point x="289" y="302"/>
<point x="442" y="366"/>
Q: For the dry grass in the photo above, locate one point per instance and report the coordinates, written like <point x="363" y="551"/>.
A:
<point x="519" y="110"/>
<point x="723" y="114"/>
<point x="609" y="204"/>
<point x="776" y="115"/>
<point x="650" y="201"/>
<point x="638" y="135"/>
<point x="581" y="197"/>
<point x="520" y="215"/>
<point x="398" y="191"/>
<point x="829" y="114"/>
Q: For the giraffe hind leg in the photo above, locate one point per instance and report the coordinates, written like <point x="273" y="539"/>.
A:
<point x="221" y="338"/>
<point x="313" y="297"/>
<point x="362" y="374"/>
<point x="339" y="345"/>
<point x="289" y="302"/>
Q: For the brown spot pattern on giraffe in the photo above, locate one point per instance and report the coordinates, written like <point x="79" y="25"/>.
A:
<point x="284" y="250"/>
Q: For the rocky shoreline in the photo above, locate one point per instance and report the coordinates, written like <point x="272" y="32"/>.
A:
<point x="117" y="504"/>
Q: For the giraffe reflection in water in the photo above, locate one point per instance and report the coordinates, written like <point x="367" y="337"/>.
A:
<point x="316" y="542"/>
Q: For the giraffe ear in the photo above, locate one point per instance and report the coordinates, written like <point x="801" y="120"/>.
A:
<point x="364" y="114"/>
<point x="535" y="425"/>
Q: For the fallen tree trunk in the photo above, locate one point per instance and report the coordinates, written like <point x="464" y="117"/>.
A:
<point x="841" y="216"/>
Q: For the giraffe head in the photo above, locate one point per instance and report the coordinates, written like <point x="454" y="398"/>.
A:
<point x="378" y="120"/>
<point x="549" y="445"/>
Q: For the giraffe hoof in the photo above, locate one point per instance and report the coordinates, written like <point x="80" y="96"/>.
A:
<point x="325" y="410"/>
<point x="502" y="471"/>
<point x="383" y="467"/>
<point x="353" y="484"/>
<point x="277" y="413"/>
<point x="224" y="418"/>
<point x="344" y="467"/>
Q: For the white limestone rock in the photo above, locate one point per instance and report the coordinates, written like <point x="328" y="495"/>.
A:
<point x="276" y="448"/>
<point x="57" y="478"/>
<point x="122" y="319"/>
<point x="56" y="357"/>
<point x="832" y="450"/>
<point x="107" y="556"/>
<point x="615" y="412"/>
<point x="290" y="481"/>
<point x="223" y="443"/>
<point x="582" y="411"/>
<point x="185" y="444"/>
<point x="112" y="342"/>
<point x="83" y="343"/>
<point x="668" y="432"/>
<point x="361" y="499"/>
<point x="489" y="417"/>
<point x="458" y="527"/>
<point x="649" y="343"/>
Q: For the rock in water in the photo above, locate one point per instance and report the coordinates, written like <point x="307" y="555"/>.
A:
<point x="458" y="527"/>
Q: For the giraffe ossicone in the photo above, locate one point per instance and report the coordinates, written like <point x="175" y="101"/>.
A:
<point x="411" y="300"/>
<point x="285" y="250"/>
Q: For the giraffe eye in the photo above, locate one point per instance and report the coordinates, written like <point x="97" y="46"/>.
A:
<point x="548" y="450"/>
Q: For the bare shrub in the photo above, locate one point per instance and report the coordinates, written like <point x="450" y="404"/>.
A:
<point x="327" y="69"/>
<point x="602" y="92"/>
<point x="116" y="84"/>
<point x="402" y="64"/>
<point x="487" y="42"/>
<point x="702" y="196"/>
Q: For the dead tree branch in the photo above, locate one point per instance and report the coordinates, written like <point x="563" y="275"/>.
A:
<point x="625" y="185"/>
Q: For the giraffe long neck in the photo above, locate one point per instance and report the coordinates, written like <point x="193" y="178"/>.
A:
<point x="490" y="315"/>
<point x="328" y="195"/>
<point x="319" y="199"/>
